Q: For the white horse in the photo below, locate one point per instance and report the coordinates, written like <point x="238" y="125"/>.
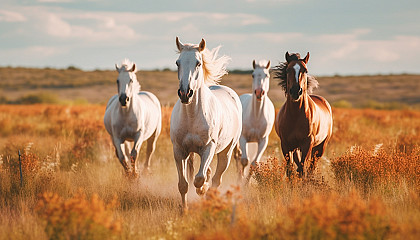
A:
<point x="131" y="117"/>
<point x="258" y="115"/>
<point x="205" y="120"/>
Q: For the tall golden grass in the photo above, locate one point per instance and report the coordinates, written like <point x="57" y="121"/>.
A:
<point x="367" y="186"/>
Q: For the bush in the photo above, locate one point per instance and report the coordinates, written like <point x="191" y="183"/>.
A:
<point x="78" y="217"/>
<point x="39" y="98"/>
<point x="331" y="216"/>
<point x="369" y="169"/>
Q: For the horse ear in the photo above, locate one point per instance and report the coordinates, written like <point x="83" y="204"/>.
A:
<point x="253" y="64"/>
<point x="306" y="59"/>
<point x="288" y="57"/>
<point x="179" y="45"/>
<point x="116" y="67"/>
<point x="133" y="68"/>
<point x="202" y="45"/>
<point x="268" y="65"/>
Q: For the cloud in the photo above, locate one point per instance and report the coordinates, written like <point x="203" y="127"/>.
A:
<point x="55" y="1"/>
<point x="11" y="16"/>
<point x="48" y="32"/>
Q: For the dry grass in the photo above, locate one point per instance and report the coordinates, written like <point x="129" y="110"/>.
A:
<point x="73" y="85"/>
<point x="367" y="186"/>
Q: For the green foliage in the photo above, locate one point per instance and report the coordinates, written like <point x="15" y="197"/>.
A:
<point x="342" y="104"/>
<point x="44" y="97"/>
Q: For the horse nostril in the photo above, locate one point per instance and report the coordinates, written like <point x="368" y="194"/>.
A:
<point x="190" y="93"/>
<point x="179" y="92"/>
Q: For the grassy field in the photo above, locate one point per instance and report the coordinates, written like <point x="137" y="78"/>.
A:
<point x="26" y="85"/>
<point x="73" y="187"/>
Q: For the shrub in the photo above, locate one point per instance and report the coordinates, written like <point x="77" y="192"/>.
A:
<point x="369" y="169"/>
<point x="78" y="217"/>
<point x="331" y="216"/>
<point x="269" y="175"/>
<point x="39" y="98"/>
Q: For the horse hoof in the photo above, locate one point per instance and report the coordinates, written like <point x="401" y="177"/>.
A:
<point x="198" y="182"/>
<point x="132" y="175"/>
<point x="202" y="190"/>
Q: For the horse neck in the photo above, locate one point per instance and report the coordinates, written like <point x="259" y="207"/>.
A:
<point x="257" y="106"/>
<point x="301" y="106"/>
<point x="132" y="108"/>
<point x="199" y="101"/>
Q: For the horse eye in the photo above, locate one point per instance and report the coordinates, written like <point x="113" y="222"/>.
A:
<point x="177" y="63"/>
<point x="198" y="64"/>
<point x="118" y="81"/>
<point x="131" y="80"/>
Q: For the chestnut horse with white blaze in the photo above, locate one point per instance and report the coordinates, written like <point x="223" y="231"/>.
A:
<point x="207" y="118"/>
<point x="304" y="123"/>
<point x="257" y="116"/>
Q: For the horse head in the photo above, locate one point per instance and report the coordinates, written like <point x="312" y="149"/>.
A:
<point x="296" y="75"/>
<point x="190" y="69"/>
<point x="261" y="78"/>
<point x="127" y="82"/>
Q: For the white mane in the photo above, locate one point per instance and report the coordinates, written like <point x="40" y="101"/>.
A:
<point x="126" y="65"/>
<point x="213" y="68"/>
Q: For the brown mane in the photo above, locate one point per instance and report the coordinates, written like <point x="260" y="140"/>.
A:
<point x="280" y="73"/>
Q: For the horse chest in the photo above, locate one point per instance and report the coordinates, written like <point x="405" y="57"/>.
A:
<point x="128" y="130"/>
<point x="194" y="135"/>
<point x="295" y="131"/>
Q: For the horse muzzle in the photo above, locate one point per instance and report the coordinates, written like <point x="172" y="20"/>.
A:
<point x="259" y="93"/>
<point x="123" y="100"/>
<point x="185" y="97"/>
<point x="295" y="92"/>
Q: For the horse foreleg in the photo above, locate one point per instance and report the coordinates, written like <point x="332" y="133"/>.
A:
<point x="244" y="156"/>
<point x="151" y="146"/>
<point x="237" y="156"/>
<point x="262" y="145"/>
<point x="317" y="152"/>
<point x="288" y="156"/>
<point x="201" y="179"/>
<point x="120" y="154"/>
<point x="306" y="150"/>
<point x="296" y="158"/>
<point x="134" y="153"/>
<point x="223" y="160"/>
<point x="243" y="146"/>
<point x="190" y="167"/>
<point x="181" y="166"/>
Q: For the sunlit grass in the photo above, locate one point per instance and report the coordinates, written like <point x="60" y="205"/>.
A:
<point x="366" y="187"/>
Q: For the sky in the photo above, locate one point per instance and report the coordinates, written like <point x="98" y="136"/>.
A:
<point x="344" y="37"/>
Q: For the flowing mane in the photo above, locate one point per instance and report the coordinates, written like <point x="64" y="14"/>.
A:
<point x="213" y="68"/>
<point x="126" y="65"/>
<point x="281" y="74"/>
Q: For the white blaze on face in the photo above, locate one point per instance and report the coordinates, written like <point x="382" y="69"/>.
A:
<point x="297" y="71"/>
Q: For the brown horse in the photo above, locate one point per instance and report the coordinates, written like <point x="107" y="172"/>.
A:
<point x="304" y="123"/>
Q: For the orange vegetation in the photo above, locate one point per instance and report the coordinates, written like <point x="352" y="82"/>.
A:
<point x="366" y="187"/>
